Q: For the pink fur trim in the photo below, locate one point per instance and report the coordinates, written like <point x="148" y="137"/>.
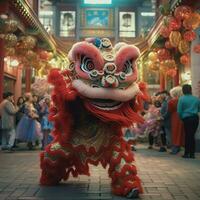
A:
<point x="106" y="93"/>
<point x="87" y="49"/>
<point x="125" y="53"/>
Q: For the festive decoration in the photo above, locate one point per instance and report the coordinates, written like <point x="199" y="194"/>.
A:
<point x="196" y="48"/>
<point x="170" y="63"/>
<point x="182" y="12"/>
<point x="40" y="87"/>
<point x="9" y="51"/>
<point x="27" y="42"/>
<point x="10" y="26"/>
<point x="174" y="24"/>
<point x="44" y="55"/>
<point x="189" y="36"/>
<point x="163" y="54"/>
<point x="175" y="38"/>
<point x="192" y="22"/>
<point x="185" y="59"/>
<point x="10" y="39"/>
<point x="153" y="56"/>
<point x="165" y="31"/>
<point x="76" y="104"/>
<point x="31" y="55"/>
<point x="168" y="45"/>
<point x="183" y="46"/>
<point x="171" y="73"/>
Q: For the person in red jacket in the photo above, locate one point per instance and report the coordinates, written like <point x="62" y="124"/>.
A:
<point x="177" y="128"/>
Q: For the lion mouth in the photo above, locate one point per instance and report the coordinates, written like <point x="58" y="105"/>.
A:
<point x="106" y="104"/>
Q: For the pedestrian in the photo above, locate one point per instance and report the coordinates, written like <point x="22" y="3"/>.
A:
<point x="188" y="108"/>
<point x="8" y="112"/>
<point x="166" y="136"/>
<point x="177" y="129"/>
<point x="20" y="112"/>
<point x="46" y="125"/>
<point x="28" y="129"/>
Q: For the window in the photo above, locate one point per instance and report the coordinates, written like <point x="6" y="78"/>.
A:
<point x="97" y="1"/>
<point x="67" y="23"/>
<point x="46" y="14"/>
<point x="126" y="24"/>
<point x="146" y="22"/>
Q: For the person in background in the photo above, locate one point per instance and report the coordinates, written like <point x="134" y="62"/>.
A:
<point x="8" y="111"/>
<point x="46" y="125"/>
<point x="177" y="128"/>
<point x="165" y="97"/>
<point x="188" y="109"/>
<point x="20" y="112"/>
<point x="28" y="129"/>
<point x="36" y="105"/>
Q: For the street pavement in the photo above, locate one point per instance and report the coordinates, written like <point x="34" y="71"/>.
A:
<point x="163" y="176"/>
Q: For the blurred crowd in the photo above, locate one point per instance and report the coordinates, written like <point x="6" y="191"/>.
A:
<point x="171" y="121"/>
<point x="25" y="121"/>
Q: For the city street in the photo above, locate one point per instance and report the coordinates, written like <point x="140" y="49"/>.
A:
<point x="164" y="176"/>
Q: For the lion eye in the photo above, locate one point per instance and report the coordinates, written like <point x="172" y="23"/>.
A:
<point x="86" y="64"/>
<point x="128" y="70"/>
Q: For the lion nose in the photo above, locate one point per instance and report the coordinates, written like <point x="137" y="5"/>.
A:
<point x="109" y="81"/>
<point x="110" y="68"/>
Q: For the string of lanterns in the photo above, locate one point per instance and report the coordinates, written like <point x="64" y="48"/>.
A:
<point x="24" y="47"/>
<point x="176" y="34"/>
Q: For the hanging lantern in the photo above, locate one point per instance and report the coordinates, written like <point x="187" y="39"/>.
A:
<point x="174" y="24"/>
<point x="189" y="36"/>
<point x="185" y="59"/>
<point x="163" y="54"/>
<point x="28" y="42"/>
<point x="196" y="48"/>
<point x="182" y="12"/>
<point x="174" y="38"/>
<point x="168" y="45"/>
<point x="31" y="55"/>
<point x="183" y="46"/>
<point x="153" y="56"/>
<point x="149" y="64"/>
<point x="192" y="22"/>
<point x="10" y="26"/>
<point x="165" y="31"/>
<point x="171" y="72"/>
<point x="170" y="63"/>
<point x="10" y="40"/>
<point x="9" y="51"/>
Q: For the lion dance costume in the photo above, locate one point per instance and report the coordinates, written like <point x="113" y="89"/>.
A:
<point x="92" y="100"/>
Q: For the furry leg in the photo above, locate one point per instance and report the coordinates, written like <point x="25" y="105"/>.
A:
<point x="122" y="170"/>
<point x="55" y="164"/>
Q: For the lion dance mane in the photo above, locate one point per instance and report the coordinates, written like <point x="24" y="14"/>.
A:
<point x="93" y="99"/>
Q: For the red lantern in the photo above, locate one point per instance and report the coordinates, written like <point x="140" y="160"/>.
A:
<point x="189" y="36"/>
<point x="196" y="48"/>
<point x="174" y="24"/>
<point x="182" y="12"/>
<point x="192" y="22"/>
<point x="185" y="59"/>
<point x="165" y="31"/>
<point x="168" y="45"/>
<point x="163" y="54"/>
<point x="171" y="72"/>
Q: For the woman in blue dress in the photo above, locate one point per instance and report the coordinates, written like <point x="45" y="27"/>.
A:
<point x="46" y="125"/>
<point x="28" y="129"/>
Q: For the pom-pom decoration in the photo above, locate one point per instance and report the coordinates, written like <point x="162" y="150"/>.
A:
<point x="182" y="12"/>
